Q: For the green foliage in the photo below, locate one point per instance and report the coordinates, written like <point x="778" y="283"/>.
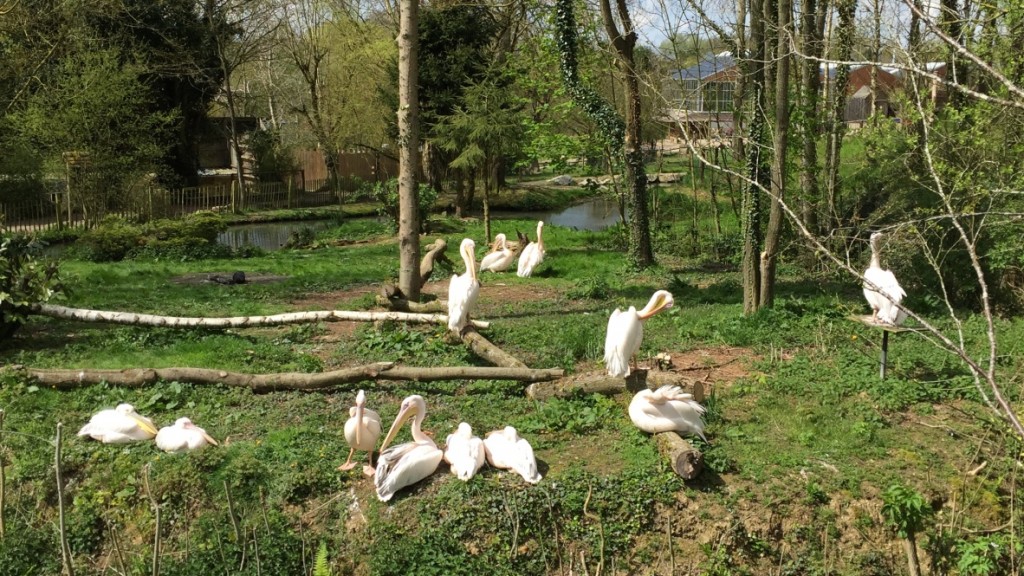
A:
<point x="592" y="287"/>
<point x="905" y="510"/>
<point x="190" y="238"/>
<point x="274" y="161"/>
<point x="575" y="415"/>
<point x="396" y="342"/>
<point x="25" y="280"/>
<point x="320" y="565"/>
<point x="387" y="194"/>
<point x="987" y="555"/>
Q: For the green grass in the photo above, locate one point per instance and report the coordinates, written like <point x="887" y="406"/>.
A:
<point x="803" y="437"/>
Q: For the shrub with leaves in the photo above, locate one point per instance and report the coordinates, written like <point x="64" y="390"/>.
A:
<point x="387" y="194"/>
<point x="24" y="280"/>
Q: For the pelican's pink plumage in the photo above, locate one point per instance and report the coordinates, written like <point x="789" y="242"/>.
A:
<point x="406" y="464"/>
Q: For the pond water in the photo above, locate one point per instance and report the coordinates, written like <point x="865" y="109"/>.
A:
<point x="594" y="214"/>
<point x="266" y="235"/>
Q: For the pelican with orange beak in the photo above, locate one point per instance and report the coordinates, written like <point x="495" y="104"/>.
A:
<point x="463" y="290"/>
<point x="362" y="430"/>
<point x="182" y="437"/>
<point x="626" y="333"/>
<point x="119" y="426"/>
<point x="406" y="464"/>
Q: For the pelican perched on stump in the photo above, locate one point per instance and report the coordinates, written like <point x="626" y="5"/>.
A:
<point x="182" y="437"/>
<point x="666" y="409"/>
<point x="362" y="430"/>
<point x="500" y="258"/>
<point x="532" y="255"/>
<point x="508" y="451"/>
<point x="463" y="290"/>
<point x="118" y="426"/>
<point x="406" y="464"/>
<point x="626" y="333"/>
<point x="464" y="452"/>
<point x="888" y="294"/>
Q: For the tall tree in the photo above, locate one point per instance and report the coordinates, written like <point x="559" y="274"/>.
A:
<point x="408" y="151"/>
<point x="758" y="172"/>
<point x="836" y="126"/>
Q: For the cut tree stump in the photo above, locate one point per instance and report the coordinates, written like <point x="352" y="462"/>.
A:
<point x="139" y="377"/>
<point x="601" y="383"/>
<point x="685" y="460"/>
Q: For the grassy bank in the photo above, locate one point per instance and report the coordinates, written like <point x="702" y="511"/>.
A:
<point x="804" y="437"/>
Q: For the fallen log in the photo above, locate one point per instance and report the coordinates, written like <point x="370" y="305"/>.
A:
<point x="260" y="383"/>
<point x="435" y="253"/>
<point x="131" y="318"/>
<point x="685" y="460"/>
<point x="402" y="305"/>
<point x="593" y="383"/>
<point x="483" y="348"/>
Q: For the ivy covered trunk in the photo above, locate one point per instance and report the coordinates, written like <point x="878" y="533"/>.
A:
<point x="757" y="168"/>
<point x="641" y="255"/>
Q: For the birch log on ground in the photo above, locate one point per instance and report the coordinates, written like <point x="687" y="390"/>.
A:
<point x="131" y="318"/>
<point x="685" y="460"/>
<point x="139" y="377"/>
<point x="483" y="348"/>
<point x="601" y="383"/>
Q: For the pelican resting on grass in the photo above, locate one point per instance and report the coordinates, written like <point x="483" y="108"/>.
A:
<point x="665" y="409"/>
<point x="362" y="430"/>
<point x="500" y="258"/>
<point x="626" y="333"/>
<point x="118" y="426"/>
<point x="532" y="255"/>
<point x="883" y="300"/>
<point x="463" y="290"/>
<point x="464" y="452"/>
<point x="406" y="464"/>
<point x="182" y="437"/>
<point x="508" y="451"/>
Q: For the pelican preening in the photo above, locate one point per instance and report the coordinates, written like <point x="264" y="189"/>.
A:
<point x="532" y="255"/>
<point x="182" y="437"/>
<point x="883" y="300"/>
<point x="508" y="451"/>
<point x="665" y="409"/>
<point x="118" y="426"/>
<point x="464" y="452"/>
<point x="500" y="258"/>
<point x="626" y="333"/>
<point x="407" y="463"/>
<point x="362" y="430"/>
<point x="463" y="290"/>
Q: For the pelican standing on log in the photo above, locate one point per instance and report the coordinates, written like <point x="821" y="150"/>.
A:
<point x="626" y="333"/>
<point x="463" y="290"/>
<point x="362" y="430"/>
<point x="119" y="426"/>
<point x="509" y="451"/>
<point x="666" y="409"/>
<point x="500" y="258"/>
<point x="182" y="437"/>
<point x="889" y="293"/>
<point x="408" y="463"/>
<point x="464" y="452"/>
<point x="532" y="255"/>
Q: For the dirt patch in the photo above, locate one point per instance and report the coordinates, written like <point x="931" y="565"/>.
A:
<point x="719" y="366"/>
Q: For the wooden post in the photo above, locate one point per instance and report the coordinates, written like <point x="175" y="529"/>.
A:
<point x="885" y="353"/>
<point x="234" y="204"/>
<point x="289" y="191"/>
<point x="65" y="549"/>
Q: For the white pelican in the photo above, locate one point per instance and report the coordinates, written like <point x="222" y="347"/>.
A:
<point x="406" y="464"/>
<point x="118" y="426"/>
<point x="362" y="430"/>
<point x="463" y="290"/>
<point x="508" y="451"/>
<point x="883" y="303"/>
<point x="667" y="409"/>
<point x="182" y="437"/>
<point x="532" y="255"/>
<point x="464" y="452"/>
<point x="626" y="333"/>
<point x="500" y="258"/>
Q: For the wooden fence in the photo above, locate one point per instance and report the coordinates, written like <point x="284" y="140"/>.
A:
<point x="63" y="210"/>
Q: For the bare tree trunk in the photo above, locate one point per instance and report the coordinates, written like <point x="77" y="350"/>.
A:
<point x="837" y="126"/>
<point x="779" y="145"/>
<point x="408" y="157"/>
<point x="812" y="24"/>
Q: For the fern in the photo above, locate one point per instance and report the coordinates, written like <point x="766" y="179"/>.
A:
<point x="320" y="565"/>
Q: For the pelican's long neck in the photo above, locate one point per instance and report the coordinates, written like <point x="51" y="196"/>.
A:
<point x="417" y="431"/>
<point x="359" y="422"/>
<point x="657" y="303"/>
<point x="876" y="261"/>
<point x="540" y="239"/>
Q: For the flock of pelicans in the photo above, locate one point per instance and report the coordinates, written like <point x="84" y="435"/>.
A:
<point x="665" y="409"/>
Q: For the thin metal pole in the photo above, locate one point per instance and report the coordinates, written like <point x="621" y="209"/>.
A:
<point x="885" y="351"/>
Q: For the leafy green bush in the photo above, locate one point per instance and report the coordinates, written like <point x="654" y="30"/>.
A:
<point x="24" y="280"/>
<point x="190" y="238"/>
<point x="110" y="241"/>
<point x="387" y="194"/>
